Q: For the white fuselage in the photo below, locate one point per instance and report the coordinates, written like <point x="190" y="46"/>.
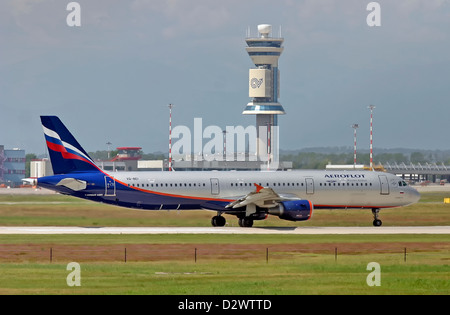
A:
<point x="325" y="189"/>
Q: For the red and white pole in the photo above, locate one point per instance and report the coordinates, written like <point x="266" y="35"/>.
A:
<point x="269" y="145"/>
<point x="371" y="107"/>
<point x="170" y="137"/>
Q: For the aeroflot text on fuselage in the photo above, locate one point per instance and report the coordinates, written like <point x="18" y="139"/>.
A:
<point x="344" y="176"/>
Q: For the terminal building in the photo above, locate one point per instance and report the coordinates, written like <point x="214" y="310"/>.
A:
<point x="12" y="167"/>
<point x="130" y="159"/>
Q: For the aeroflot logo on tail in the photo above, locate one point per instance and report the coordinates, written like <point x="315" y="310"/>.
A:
<point x="67" y="150"/>
<point x="344" y="176"/>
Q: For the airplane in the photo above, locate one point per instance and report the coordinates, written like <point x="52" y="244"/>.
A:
<point x="249" y="195"/>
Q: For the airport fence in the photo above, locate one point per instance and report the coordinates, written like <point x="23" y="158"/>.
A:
<point x="171" y="252"/>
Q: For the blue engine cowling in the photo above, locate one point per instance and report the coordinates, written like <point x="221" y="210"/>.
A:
<point x="296" y="210"/>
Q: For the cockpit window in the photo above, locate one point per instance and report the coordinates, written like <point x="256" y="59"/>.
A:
<point x="402" y="183"/>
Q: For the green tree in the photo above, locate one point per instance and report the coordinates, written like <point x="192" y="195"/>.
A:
<point x="28" y="158"/>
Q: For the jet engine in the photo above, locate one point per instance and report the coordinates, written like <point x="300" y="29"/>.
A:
<point x="293" y="210"/>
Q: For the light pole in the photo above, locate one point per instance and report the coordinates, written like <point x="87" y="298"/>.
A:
<point x="354" y="126"/>
<point x="109" y="149"/>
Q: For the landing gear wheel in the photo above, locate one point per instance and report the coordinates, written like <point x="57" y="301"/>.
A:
<point x="376" y="221"/>
<point x="245" y="222"/>
<point x="218" y="220"/>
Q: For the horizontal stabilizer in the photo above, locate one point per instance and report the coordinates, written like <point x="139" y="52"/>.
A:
<point x="29" y="181"/>
<point x="72" y="183"/>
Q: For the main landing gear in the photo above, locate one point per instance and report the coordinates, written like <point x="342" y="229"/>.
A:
<point x="219" y="220"/>
<point x="245" y="222"/>
<point x="376" y="221"/>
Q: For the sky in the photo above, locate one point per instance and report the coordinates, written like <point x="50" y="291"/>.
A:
<point x="111" y="79"/>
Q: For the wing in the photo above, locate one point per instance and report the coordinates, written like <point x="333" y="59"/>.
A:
<point x="263" y="197"/>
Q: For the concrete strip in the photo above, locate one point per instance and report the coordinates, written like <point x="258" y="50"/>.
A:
<point x="57" y="230"/>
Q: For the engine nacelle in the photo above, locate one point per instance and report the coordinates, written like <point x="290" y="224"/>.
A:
<point x="294" y="210"/>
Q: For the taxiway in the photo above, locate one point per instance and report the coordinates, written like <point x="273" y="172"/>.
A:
<point x="57" y="230"/>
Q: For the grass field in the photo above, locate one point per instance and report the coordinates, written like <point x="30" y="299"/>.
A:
<point x="222" y="264"/>
<point x="301" y="276"/>
<point x="313" y="269"/>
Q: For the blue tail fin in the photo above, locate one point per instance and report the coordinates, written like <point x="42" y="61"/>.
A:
<point x="66" y="154"/>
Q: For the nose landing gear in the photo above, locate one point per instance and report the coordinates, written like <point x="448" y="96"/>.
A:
<point x="376" y="221"/>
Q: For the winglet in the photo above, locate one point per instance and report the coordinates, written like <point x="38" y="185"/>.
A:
<point x="258" y="187"/>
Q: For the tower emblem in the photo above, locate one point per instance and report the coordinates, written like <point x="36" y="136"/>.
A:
<point x="256" y="83"/>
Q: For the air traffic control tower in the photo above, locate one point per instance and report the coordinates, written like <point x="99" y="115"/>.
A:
<point x="264" y="88"/>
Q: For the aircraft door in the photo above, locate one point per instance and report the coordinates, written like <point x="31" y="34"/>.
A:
<point x="384" y="185"/>
<point x="215" y="190"/>
<point x="110" y="186"/>
<point x="309" y="186"/>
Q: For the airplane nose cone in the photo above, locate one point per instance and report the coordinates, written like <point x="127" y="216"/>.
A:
<point x="414" y="195"/>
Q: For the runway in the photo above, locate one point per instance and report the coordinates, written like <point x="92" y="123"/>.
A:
<point x="58" y="230"/>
